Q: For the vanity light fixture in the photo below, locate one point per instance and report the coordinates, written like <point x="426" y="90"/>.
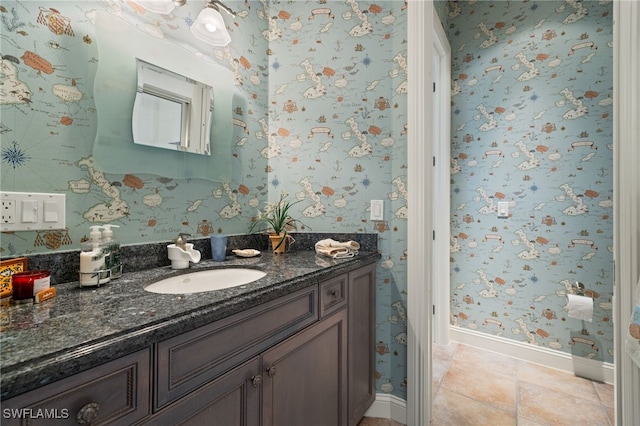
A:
<point x="163" y="7"/>
<point x="208" y="26"/>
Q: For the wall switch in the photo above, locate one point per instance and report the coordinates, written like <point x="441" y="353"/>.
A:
<point x="23" y="211"/>
<point x="50" y="211"/>
<point x="503" y="209"/>
<point x="29" y="211"/>
<point x="377" y="209"/>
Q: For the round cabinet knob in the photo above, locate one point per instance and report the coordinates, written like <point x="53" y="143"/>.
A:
<point x="271" y="371"/>
<point x="87" y="413"/>
<point x="256" y="381"/>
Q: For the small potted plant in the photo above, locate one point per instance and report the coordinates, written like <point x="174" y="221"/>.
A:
<point x="275" y="221"/>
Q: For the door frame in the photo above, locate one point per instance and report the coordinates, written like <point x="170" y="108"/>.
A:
<point x="626" y="157"/>
<point x="420" y="218"/>
<point x="441" y="182"/>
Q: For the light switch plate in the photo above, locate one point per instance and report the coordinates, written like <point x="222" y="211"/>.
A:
<point x="24" y="211"/>
<point x="50" y="211"/>
<point x="377" y="209"/>
<point x="503" y="209"/>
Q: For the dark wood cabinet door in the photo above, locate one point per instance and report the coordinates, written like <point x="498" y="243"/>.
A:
<point x="232" y="399"/>
<point x="361" y="346"/>
<point x="305" y="377"/>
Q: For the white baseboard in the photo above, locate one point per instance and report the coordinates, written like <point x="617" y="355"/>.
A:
<point x="580" y="366"/>
<point x="388" y="406"/>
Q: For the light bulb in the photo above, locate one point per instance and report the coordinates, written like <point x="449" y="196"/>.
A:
<point x="210" y="27"/>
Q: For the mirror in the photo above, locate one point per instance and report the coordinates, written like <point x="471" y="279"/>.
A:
<point x="121" y="43"/>
<point x="171" y="111"/>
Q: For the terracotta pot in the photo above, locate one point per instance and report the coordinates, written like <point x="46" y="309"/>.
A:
<point x="278" y="243"/>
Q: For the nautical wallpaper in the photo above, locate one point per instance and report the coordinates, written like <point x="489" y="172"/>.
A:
<point x="532" y="126"/>
<point x="319" y="112"/>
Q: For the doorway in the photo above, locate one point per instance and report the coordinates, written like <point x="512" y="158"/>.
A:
<point x="420" y="219"/>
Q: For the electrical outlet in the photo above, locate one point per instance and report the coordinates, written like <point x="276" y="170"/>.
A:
<point x="8" y="211"/>
<point x="30" y="211"/>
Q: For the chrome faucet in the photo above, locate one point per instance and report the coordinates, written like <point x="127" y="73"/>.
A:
<point x="181" y="241"/>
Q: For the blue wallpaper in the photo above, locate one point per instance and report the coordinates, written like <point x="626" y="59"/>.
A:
<point x="532" y="126"/>
<point x="319" y="111"/>
<point x="337" y="92"/>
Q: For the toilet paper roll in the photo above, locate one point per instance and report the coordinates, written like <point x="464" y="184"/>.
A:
<point x="580" y="307"/>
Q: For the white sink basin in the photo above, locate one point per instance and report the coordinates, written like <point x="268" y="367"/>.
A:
<point x="199" y="282"/>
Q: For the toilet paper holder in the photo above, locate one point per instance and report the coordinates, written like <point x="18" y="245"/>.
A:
<point x="577" y="288"/>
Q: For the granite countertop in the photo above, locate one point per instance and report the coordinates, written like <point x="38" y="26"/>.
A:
<point x="83" y="327"/>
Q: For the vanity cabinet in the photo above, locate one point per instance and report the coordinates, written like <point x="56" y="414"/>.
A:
<point x="312" y="361"/>
<point x="306" y="358"/>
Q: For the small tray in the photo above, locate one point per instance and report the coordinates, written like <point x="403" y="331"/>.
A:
<point x="246" y="252"/>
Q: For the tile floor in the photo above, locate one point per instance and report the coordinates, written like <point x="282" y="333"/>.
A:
<point x="376" y="421"/>
<point x="476" y="388"/>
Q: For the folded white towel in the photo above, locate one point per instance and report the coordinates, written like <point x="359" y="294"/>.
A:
<point x="352" y="245"/>
<point x="337" y="250"/>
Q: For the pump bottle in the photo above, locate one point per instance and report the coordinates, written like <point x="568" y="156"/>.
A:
<point x="93" y="259"/>
<point x="113" y="262"/>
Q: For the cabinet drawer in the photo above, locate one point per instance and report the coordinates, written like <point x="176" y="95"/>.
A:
<point x="333" y="295"/>
<point x="113" y="393"/>
<point x="189" y="360"/>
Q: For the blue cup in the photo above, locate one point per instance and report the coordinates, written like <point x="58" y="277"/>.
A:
<point x="218" y="247"/>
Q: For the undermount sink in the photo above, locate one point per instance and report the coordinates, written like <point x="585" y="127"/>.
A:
<point x="201" y="281"/>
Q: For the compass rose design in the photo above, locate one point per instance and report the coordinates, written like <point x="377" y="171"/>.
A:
<point x="14" y="155"/>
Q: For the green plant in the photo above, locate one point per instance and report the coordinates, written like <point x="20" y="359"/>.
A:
<point x="275" y="218"/>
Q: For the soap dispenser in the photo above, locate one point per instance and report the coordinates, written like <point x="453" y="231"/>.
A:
<point x="93" y="260"/>
<point x="114" y="263"/>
